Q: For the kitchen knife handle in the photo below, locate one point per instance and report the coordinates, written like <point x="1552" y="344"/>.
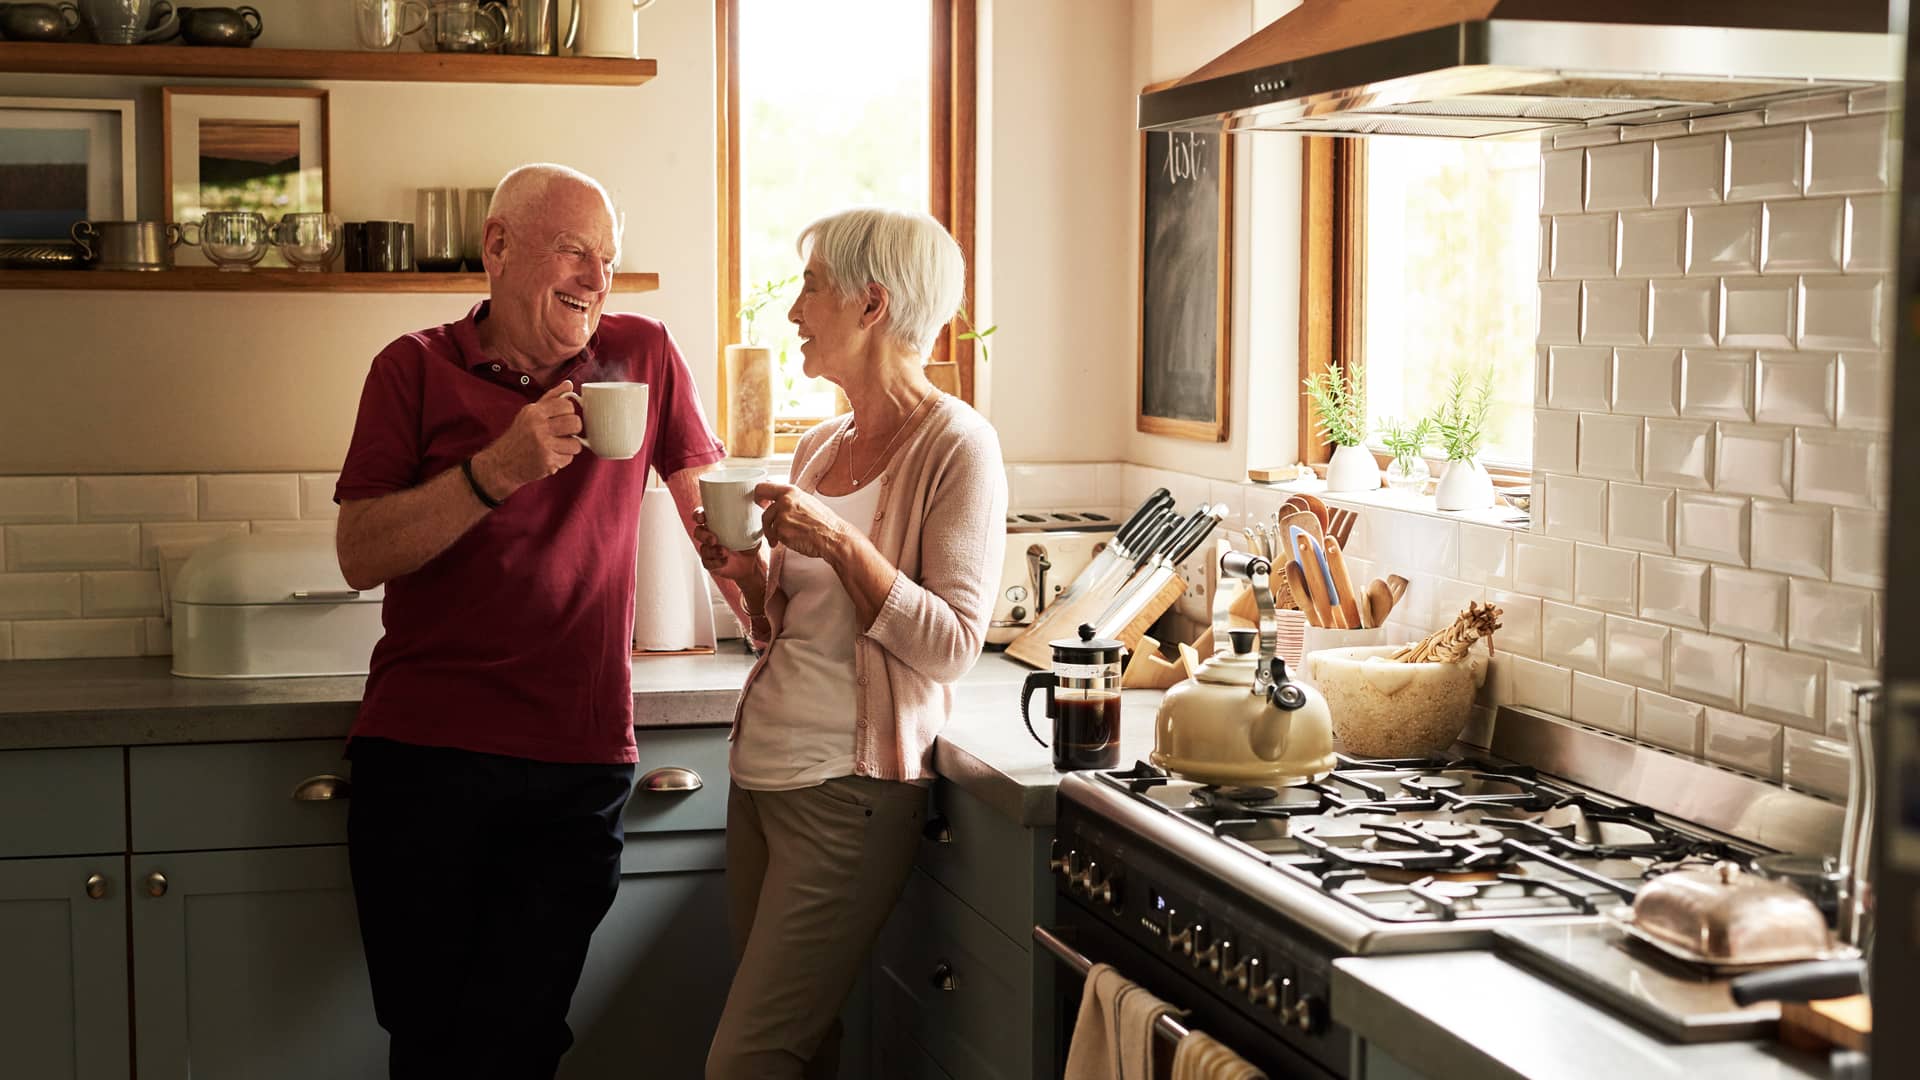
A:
<point x="1815" y="980"/>
<point x="1140" y="522"/>
<point x="1196" y="532"/>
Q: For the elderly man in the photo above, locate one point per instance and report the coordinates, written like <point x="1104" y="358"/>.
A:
<point x="494" y="749"/>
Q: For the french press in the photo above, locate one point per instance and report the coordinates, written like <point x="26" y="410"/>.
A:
<point x="1083" y="700"/>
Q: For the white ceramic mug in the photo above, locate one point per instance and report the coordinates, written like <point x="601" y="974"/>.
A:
<point x="615" y="415"/>
<point x="608" y="28"/>
<point x="732" y="515"/>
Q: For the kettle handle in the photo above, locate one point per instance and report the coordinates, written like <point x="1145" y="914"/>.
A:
<point x="82" y="232"/>
<point x="1038" y="680"/>
<point x="573" y="29"/>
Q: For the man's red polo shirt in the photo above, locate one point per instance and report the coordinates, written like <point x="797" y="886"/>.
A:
<point x="516" y="639"/>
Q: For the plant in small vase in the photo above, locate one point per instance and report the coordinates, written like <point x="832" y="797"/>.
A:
<point x="750" y="372"/>
<point x="1460" y="425"/>
<point x="1408" y="471"/>
<point x="1340" y="397"/>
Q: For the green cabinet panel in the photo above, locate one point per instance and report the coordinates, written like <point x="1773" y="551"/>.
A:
<point x="699" y="750"/>
<point x="248" y="965"/>
<point x="238" y="795"/>
<point x="63" y="983"/>
<point x="955" y="985"/>
<point x="994" y="864"/>
<point x="62" y="802"/>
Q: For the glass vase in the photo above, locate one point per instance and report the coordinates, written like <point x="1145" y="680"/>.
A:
<point x="1408" y="475"/>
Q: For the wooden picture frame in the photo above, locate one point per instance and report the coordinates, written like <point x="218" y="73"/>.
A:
<point x="190" y="112"/>
<point x="80" y="166"/>
<point x="1184" y="341"/>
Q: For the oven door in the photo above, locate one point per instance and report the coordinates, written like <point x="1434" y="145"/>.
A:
<point x="1082" y="939"/>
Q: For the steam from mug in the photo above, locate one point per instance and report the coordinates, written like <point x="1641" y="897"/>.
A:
<point x="615" y="415"/>
<point x="732" y="515"/>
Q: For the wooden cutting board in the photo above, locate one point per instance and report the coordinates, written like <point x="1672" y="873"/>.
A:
<point x="1818" y="1025"/>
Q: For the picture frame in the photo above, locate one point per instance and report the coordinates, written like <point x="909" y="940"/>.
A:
<point x="264" y="149"/>
<point x="62" y="161"/>
<point x="1184" y="343"/>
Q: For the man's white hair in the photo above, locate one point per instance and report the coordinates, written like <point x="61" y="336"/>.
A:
<point x="521" y="193"/>
<point x="907" y="252"/>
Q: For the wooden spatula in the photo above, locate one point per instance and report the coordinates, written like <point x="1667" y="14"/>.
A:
<point x="1343" y="584"/>
<point x="1312" y="603"/>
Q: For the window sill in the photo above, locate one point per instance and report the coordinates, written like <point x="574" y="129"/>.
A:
<point x="1504" y="517"/>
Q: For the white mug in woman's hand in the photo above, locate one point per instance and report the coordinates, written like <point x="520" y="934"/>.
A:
<point x="615" y="417"/>
<point x="732" y="515"/>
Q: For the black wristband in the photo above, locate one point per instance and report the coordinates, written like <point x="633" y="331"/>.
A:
<point x="466" y="466"/>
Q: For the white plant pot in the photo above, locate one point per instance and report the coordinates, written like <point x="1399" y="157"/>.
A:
<point x="1352" y="469"/>
<point x="1464" y="486"/>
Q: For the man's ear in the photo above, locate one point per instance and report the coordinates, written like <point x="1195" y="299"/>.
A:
<point x="493" y="246"/>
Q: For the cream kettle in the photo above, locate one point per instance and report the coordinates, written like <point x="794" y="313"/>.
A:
<point x="1240" y="720"/>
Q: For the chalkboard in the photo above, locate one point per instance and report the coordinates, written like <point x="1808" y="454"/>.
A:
<point x="1185" y="284"/>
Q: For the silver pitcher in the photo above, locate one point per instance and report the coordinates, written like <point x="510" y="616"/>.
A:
<point x="124" y="22"/>
<point x="533" y="27"/>
<point x="130" y="245"/>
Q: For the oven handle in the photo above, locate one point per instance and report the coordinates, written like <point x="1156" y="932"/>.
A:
<point x="1164" y="1025"/>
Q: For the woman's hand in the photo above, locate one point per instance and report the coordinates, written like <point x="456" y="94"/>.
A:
<point x="722" y="561"/>
<point x="801" y="522"/>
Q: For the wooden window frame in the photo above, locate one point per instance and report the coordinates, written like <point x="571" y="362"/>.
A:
<point x="953" y="166"/>
<point x="1333" y="246"/>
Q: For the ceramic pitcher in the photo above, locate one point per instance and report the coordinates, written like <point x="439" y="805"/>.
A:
<point x="125" y="22"/>
<point x="608" y="27"/>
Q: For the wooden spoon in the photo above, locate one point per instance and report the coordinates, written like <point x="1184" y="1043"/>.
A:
<point x="1318" y="508"/>
<point x="1313" y="605"/>
<point x="1397" y="586"/>
<point x="1379" y="601"/>
<point x="1343" y="584"/>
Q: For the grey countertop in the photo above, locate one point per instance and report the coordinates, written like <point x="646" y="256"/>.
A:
<point x="1474" y="1014"/>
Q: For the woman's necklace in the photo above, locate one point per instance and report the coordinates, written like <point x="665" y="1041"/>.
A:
<point x="886" y="454"/>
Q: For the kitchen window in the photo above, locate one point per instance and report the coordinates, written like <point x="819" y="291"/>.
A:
<point x="826" y="105"/>
<point x="1422" y="256"/>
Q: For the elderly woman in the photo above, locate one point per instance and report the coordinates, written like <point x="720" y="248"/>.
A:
<point x="873" y="600"/>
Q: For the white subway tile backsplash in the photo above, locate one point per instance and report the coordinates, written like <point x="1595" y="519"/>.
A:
<point x="1576" y="508"/>
<point x="1706" y="668"/>
<point x="1749" y="605"/>
<point x="1613" y="312"/>
<point x="1573" y="637"/>
<point x="1740" y="742"/>
<point x="1646" y="382"/>
<point x="1556" y="441"/>
<point x="1723" y="239"/>
<point x="159" y="636"/>
<point x="122" y="593"/>
<point x="1578" y="378"/>
<point x="1673" y="591"/>
<point x="1848" y="155"/>
<point x="1765" y="162"/>
<point x="1684" y="311"/>
<point x="1711" y="527"/>
<point x="60" y="639"/>
<point x="1603" y="703"/>
<point x="1559" y="313"/>
<point x="1610" y="446"/>
<point x="1753" y="460"/>
<point x="40" y="596"/>
<point x="1486" y="555"/>
<point x="1815" y="763"/>
<point x="1669" y="722"/>
<point x="1869" y="233"/>
<point x="1451" y="597"/>
<point x="1803" y="234"/>
<point x="136" y="498"/>
<point x="1794" y="388"/>
<point x="1520" y="617"/>
<point x="1842" y="679"/>
<point x="1637" y="652"/>
<point x="294" y="528"/>
<point x="73" y="547"/>
<point x="1791" y="538"/>
<point x="1543" y="566"/>
<point x="1679" y="453"/>
<point x="1838" y="467"/>
<point x="1620" y="177"/>
<point x="1716" y="385"/>
<point x="1757" y="312"/>
<point x="1436" y="545"/>
<point x="1606" y="578"/>
<point x="1640" y="517"/>
<point x="1583" y="246"/>
<point x="1843" y="312"/>
<point x="6" y="641"/>
<point x="37" y="500"/>
<point x="1786" y="687"/>
<point x="276" y="496"/>
<point x="1860" y="547"/>
<point x="1562" y="181"/>
<point x="1812" y="108"/>
<point x="1834" y="621"/>
<point x="1652" y="243"/>
<point x="188" y="535"/>
<point x="1864" y="391"/>
<point x="1689" y="171"/>
<point x="1541" y="686"/>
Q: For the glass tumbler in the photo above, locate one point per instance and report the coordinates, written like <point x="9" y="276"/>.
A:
<point x="307" y="241"/>
<point x="474" y="232"/>
<point x="382" y="24"/>
<point x="437" y="230"/>
<point x="233" y="239"/>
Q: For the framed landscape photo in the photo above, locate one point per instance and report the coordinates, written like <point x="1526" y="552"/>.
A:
<point x="253" y="148"/>
<point x="62" y="161"/>
<point x="1186" y="284"/>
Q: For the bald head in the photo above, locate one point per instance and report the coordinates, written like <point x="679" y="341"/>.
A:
<point x="527" y="194"/>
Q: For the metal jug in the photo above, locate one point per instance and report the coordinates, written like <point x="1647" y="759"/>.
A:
<point x="533" y="28"/>
<point x="125" y="22"/>
<point x="130" y="245"/>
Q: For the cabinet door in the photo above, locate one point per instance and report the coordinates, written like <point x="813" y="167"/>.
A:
<point x="248" y="964"/>
<point x="63" y="983"/>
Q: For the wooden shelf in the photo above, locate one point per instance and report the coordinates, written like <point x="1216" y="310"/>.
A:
<point x="206" y="279"/>
<point x="191" y="62"/>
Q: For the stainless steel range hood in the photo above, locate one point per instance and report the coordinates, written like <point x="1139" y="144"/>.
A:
<point x="1477" y="68"/>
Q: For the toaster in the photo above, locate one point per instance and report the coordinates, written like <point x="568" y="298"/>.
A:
<point x="1046" y="550"/>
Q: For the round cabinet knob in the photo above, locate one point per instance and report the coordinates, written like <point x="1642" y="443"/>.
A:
<point x="323" y="788"/>
<point x="156" y="884"/>
<point x="943" y="978"/>
<point x="97" y="886"/>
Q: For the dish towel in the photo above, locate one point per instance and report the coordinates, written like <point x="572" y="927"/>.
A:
<point x="1200" y="1057"/>
<point x="1113" y="1038"/>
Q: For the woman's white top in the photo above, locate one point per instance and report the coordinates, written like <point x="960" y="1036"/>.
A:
<point x="797" y="724"/>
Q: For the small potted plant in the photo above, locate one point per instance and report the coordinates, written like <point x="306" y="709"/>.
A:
<point x="1460" y="425"/>
<point x="1407" y="443"/>
<point x="750" y="371"/>
<point x="1340" y="397"/>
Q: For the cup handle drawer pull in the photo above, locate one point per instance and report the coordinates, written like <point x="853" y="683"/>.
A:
<point x="671" y="779"/>
<point x="323" y="788"/>
<point x="156" y="884"/>
<point x="943" y="977"/>
<point x="97" y="886"/>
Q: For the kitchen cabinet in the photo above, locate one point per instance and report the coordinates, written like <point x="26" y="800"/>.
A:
<point x="63" y="985"/>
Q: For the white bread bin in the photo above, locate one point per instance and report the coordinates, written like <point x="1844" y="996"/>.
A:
<point x="270" y="605"/>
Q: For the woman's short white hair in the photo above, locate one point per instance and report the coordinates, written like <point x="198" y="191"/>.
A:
<point x="906" y="251"/>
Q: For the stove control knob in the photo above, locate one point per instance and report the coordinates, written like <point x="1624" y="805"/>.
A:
<point x="1088" y="879"/>
<point x="1262" y="988"/>
<point x="1108" y="892"/>
<point x="1209" y="957"/>
<point x="1062" y="864"/>
<point x="1179" y="940"/>
<point x="1307" y="1014"/>
<point x="1233" y="974"/>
